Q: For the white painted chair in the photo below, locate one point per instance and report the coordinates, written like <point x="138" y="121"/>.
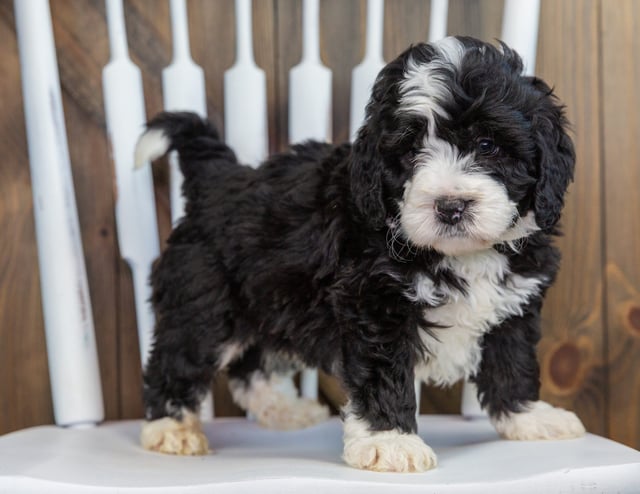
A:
<point x="78" y="456"/>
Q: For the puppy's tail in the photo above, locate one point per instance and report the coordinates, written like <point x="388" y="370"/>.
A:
<point x="194" y="138"/>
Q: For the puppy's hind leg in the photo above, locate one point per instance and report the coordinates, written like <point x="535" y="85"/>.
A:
<point x="175" y="381"/>
<point x="173" y="390"/>
<point x="270" y="395"/>
<point x="191" y="340"/>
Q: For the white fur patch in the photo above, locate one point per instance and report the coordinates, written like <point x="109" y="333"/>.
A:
<point x="424" y="88"/>
<point x="441" y="171"/>
<point x="275" y="404"/>
<point x="525" y="226"/>
<point x="151" y="145"/>
<point x="230" y="353"/>
<point x="171" y="436"/>
<point x="384" y="451"/>
<point x="451" y="49"/>
<point x="493" y="295"/>
<point x="539" y="420"/>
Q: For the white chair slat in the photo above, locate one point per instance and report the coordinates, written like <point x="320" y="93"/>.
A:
<point x="310" y="89"/>
<point x="183" y="89"/>
<point x="310" y="115"/>
<point x="364" y="74"/>
<point x="245" y="96"/>
<point x="438" y="19"/>
<point x="520" y="29"/>
<point x="70" y="336"/>
<point x="136" y="218"/>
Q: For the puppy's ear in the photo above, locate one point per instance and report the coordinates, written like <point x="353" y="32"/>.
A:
<point x="380" y="142"/>
<point x="556" y="158"/>
<point x="367" y="168"/>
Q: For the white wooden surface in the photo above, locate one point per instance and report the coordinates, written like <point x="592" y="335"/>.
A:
<point x="472" y="459"/>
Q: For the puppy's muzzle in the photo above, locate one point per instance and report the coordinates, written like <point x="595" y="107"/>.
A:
<point x="450" y="211"/>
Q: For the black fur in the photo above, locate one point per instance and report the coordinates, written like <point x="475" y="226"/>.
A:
<point x="293" y="258"/>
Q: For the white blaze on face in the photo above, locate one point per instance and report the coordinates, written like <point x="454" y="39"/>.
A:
<point x="425" y="86"/>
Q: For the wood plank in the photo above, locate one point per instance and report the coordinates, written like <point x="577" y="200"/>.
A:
<point x="621" y="124"/>
<point x="571" y="352"/>
<point x="341" y="47"/>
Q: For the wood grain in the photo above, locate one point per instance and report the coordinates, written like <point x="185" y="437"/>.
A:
<point x="621" y="174"/>
<point x="571" y="351"/>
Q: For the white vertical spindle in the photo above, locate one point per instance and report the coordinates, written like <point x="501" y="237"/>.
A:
<point x="183" y="88"/>
<point x="71" y="345"/>
<point x="438" y="19"/>
<point x="310" y="114"/>
<point x="135" y="203"/>
<point x="310" y="85"/>
<point x="245" y="96"/>
<point x="520" y="29"/>
<point x="365" y="73"/>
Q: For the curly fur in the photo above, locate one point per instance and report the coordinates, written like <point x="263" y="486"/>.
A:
<point x="350" y="258"/>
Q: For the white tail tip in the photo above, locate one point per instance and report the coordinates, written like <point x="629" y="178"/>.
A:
<point x="151" y="145"/>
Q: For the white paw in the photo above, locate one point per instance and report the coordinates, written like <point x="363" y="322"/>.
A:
<point x="389" y="451"/>
<point x="170" y="436"/>
<point x="539" y="421"/>
<point x="274" y="403"/>
<point x="383" y="451"/>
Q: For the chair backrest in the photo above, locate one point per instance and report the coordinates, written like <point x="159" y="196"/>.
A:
<point x="70" y="340"/>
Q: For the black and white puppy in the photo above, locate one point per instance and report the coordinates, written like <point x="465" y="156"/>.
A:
<point x="422" y="250"/>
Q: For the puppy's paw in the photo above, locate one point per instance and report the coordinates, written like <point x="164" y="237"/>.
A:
<point x="275" y="404"/>
<point x="539" y="421"/>
<point x="290" y="414"/>
<point x="389" y="451"/>
<point x="170" y="436"/>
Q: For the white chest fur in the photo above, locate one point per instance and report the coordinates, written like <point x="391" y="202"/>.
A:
<point x="492" y="295"/>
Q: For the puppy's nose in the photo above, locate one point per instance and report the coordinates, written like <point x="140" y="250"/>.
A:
<point x="450" y="211"/>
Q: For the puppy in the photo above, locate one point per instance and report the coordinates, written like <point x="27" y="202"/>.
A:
<point x="422" y="250"/>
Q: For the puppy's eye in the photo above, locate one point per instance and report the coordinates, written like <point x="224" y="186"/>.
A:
<point x="487" y="147"/>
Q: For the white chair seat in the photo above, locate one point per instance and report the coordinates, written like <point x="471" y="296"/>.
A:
<point x="472" y="459"/>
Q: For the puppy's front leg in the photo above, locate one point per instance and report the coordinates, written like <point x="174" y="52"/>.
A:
<point x="379" y="419"/>
<point x="508" y="384"/>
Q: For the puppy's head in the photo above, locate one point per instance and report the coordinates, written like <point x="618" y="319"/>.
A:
<point x="459" y="150"/>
